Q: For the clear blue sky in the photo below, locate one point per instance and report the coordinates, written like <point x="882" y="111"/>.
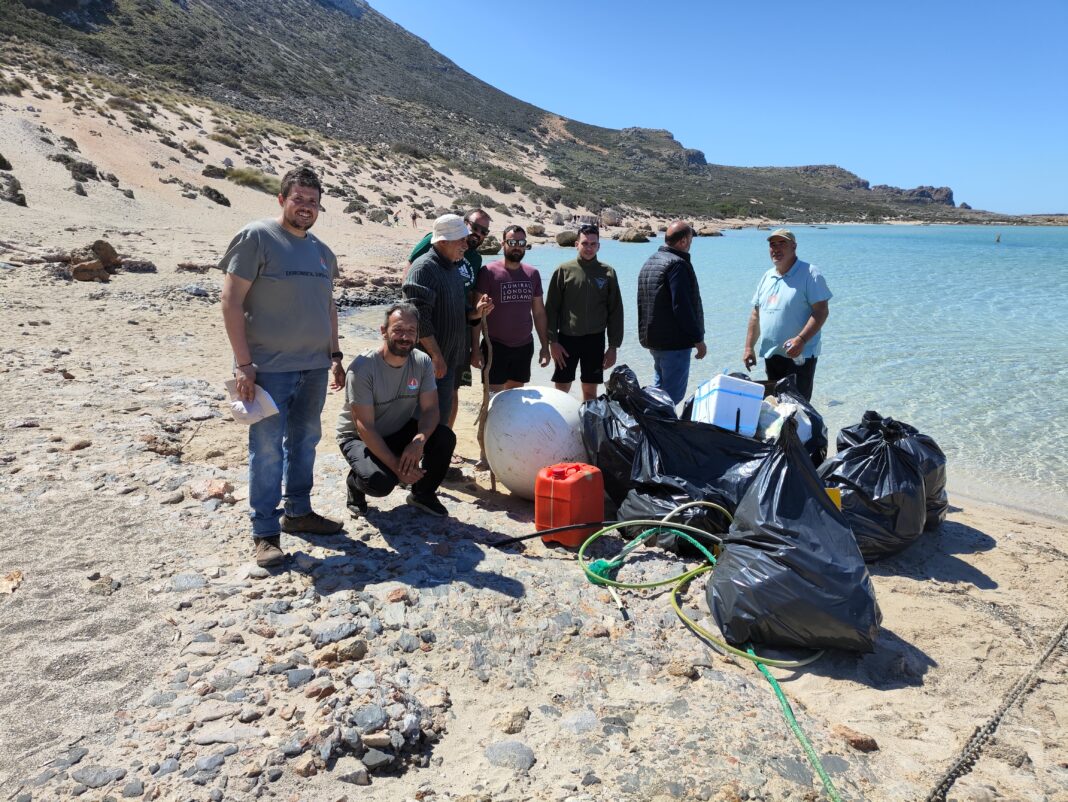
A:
<point x="971" y="95"/>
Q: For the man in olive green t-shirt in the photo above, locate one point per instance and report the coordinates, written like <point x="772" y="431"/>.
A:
<point x="583" y="304"/>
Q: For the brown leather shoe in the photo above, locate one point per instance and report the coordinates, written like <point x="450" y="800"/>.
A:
<point x="311" y="524"/>
<point x="268" y="551"/>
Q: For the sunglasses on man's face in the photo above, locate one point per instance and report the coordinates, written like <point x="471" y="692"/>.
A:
<point x="477" y="229"/>
<point x="516" y="243"/>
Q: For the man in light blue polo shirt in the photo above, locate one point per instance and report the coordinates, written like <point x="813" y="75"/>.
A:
<point x="790" y="307"/>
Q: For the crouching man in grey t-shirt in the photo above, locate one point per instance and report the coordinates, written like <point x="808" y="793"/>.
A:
<point x="390" y="429"/>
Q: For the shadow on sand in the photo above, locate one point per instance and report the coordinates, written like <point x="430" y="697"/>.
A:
<point x="424" y="552"/>
<point x="932" y="557"/>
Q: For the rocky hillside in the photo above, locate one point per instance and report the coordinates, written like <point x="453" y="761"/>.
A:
<point x="341" y="69"/>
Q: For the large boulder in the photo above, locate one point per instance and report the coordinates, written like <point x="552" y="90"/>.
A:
<point x="536" y="230"/>
<point x="11" y="190"/>
<point x="558" y="219"/>
<point x="90" y="271"/>
<point x="611" y="217"/>
<point x="633" y="235"/>
<point x="378" y="214"/>
<point x="709" y="231"/>
<point x="566" y="239"/>
<point x="214" y="195"/>
<point x="490" y="246"/>
<point x="99" y="251"/>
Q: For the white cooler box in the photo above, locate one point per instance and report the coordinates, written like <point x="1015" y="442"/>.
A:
<point x="729" y="403"/>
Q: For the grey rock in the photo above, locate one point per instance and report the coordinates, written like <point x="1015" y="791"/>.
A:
<point x="350" y="736"/>
<point x="244" y="667"/>
<point x="351" y="770"/>
<point x="370" y="718"/>
<point x="299" y="676"/>
<point x="97" y="776"/>
<point x="374" y="759"/>
<point x="228" y="735"/>
<point x="167" y="766"/>
<point x="324" y="632"/>
<point x="210" y="762"/>
<point x="579" y="722"/>
<point x="514" y="755"/>
<point x="407" y="642"/>
<point x="183" y="582"/>
<point x="834" y="764"/>
<point x="161" y="698"/>
<point x="133" y="788"/>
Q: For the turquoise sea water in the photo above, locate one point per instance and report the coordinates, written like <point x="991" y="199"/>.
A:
<point x="939" y="326"/>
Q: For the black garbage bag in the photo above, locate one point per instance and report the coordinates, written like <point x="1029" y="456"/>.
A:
<point x="790" y="573"/>
<point x="929" y="457"/>
<point x="650" y="503"/>
<point x="610" y="432"/>
<point x="816" y="446"/>
<point x="883" y="492"/>
<point x="697" y="460"/>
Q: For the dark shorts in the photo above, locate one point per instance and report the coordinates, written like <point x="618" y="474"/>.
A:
<point x="587" y="351"/>
<point x="510" y="364"/>
<point x="779" y="367"/>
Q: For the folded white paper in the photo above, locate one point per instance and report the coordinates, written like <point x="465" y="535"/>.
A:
<point x="260" y="407"/>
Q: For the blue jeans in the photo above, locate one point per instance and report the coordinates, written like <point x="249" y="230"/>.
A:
<point x="281" y="448"/>
<point x="446" y="386"/>
<point x="671" y="372"/>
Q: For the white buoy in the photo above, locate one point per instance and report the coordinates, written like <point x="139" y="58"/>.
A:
<point x="529" y="428"/>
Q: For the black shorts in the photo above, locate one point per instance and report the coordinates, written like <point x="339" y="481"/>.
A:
<point x="587" y="350"/>
<point x="510" y="364"/>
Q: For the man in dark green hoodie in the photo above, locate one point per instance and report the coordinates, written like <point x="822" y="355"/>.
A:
<point x="583" y="304"/>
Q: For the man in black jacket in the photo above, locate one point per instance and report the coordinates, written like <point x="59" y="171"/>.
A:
<point x="671" y="320"/>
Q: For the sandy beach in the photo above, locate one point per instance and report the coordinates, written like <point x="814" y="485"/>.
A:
<point x="146" y="655"/>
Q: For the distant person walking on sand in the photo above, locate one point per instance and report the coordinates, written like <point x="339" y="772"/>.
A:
<point x="390" y="430"/>
<point x="415" y="218"/>
<point x="790" y="307"/>
<point x="515" y="289"/>
<point x="671" y="319"/>
<point x="582" y="305"/>
<point x="278" y="309"/>
<point x="478" y="223"/>
<point x="439" y="291"/>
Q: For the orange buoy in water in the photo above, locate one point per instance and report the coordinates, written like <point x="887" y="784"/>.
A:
<point x="568" y="493"/>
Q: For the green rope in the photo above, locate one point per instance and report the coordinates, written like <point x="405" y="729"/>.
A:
<point x="788" y="714"/>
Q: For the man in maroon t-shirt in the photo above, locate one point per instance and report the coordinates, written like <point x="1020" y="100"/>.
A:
<point x="517" y="297"/>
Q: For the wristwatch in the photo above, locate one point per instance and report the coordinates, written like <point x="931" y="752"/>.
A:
<point x="337" y="355"/>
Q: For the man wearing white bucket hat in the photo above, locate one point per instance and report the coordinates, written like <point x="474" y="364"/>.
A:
<point x="789" y="309"/>
<point x="436" y="288"/>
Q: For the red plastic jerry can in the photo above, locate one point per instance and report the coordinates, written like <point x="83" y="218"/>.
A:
<point x="568" y="493"/>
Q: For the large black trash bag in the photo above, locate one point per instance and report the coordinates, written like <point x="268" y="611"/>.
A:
<point x="929" y="457"/>
<point x="786" y="390"/>
<point x="883" y="492"/>
<point x="654" y="503"/>
<point x="790" y="573"/>
<point x="610" y="432"/>
<point x="699" y="461"/>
